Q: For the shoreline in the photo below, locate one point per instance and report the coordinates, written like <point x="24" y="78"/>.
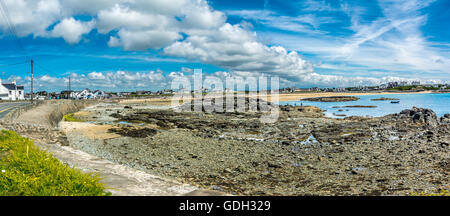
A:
<point x="299" y="96"/>
<point x="235" y="154"/>
<point x="282" y="96"/>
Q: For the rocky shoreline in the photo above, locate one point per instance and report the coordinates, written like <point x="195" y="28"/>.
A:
<point x="332" y="99"/>
<point x="384" y="99"/>
<point x="303" y="153"/>
<point x="356" y="106"/>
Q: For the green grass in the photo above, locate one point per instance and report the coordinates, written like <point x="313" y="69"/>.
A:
<point x="413" y="87"/>
<point x="404" y="88"/>
<point x="439" y="193"/>
<point x="71" y="118"/>
<point x="27" y="171"/>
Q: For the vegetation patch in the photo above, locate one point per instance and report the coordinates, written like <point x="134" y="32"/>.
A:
<point x="133" y="132"/>
<point x="27" y="171"/>
<point x="414" y="87"/>
<point x="71" y="118"/>
<point x="438" y="193"/>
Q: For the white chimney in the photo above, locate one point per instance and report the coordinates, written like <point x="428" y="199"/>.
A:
<point x="14" y="82"/>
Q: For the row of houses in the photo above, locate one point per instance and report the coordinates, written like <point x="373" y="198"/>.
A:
<point x="84" y="94"/>
<point x="12" y="91"/>
<point x="88" y="94"/>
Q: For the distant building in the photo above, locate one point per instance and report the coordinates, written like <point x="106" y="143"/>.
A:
<point x="183" y="90"/>
<point x="392" y="84"/>
<point x="302" y="89"/>
<point x="11" y="91"/>
<point x="339" y="89"/>
<point x="415" y="83"/>
<point x="88" y="94"/>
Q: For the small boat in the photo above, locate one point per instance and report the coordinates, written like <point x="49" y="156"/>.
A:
<point x="396" y="102"/>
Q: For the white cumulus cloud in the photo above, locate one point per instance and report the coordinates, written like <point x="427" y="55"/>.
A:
<point x="72" y="30"/>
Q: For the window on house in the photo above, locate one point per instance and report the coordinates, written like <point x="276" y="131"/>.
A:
<point x="10" y="92"/>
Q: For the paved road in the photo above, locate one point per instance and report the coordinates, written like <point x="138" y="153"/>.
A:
<point x="6" y="107"/>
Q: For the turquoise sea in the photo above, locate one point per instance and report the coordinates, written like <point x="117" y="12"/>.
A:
<point x="439" y="103"/>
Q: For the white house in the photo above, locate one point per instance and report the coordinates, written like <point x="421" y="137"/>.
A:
<point x="88" y="94"/>
<point x="99" y="94"/>
<point x="11" y="91"/>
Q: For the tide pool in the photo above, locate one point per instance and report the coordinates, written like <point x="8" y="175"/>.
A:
<point x="439" y="103"/>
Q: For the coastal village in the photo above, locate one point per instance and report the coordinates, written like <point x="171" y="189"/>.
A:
<point x="216" y="107"/>
<point x="233" y="153"/>
<point x="304" y="152"/>
<point x="12" y="91"/>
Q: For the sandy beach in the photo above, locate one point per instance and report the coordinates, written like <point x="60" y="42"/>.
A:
<point x="298" y="96"/>
<point x="281" y="97"/>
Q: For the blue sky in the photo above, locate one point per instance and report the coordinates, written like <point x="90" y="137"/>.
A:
<point x="133" y="45"/>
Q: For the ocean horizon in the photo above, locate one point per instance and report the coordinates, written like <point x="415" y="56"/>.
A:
<point x="438" y="102"/>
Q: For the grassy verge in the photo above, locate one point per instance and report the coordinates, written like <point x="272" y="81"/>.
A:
<point x="71" y="118"/>
<point x="438" y="193"/>
<point x="27" y="171"/>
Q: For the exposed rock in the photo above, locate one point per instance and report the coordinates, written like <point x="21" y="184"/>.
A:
<point x="420" y="115"/>
<point x="384" y="99"/>
<point x="445" y="119"/>
<point x="332" y="99"/>
<point x="303" y="153"/>
<point x="133" y="132"/>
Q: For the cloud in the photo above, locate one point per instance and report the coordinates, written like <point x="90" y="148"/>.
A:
<point x="238" y="50"/>
<point x="193" y="30"/>
<point x="72" y="30"/>
<point x="31" y="17"/>
<point x="143" y="40"/>
<point x="189" y="29"/>
<point x="397" y="36"/>
<point x="122" y="17"/>
<point x="154" y="80"/>
<point x="391" y="41"/>
<point x="108" y="80"/>
<point x="317" y="5"/>
<point x="305" y="23"/>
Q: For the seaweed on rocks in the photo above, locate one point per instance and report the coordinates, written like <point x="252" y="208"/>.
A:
<point x="134" y="132"/>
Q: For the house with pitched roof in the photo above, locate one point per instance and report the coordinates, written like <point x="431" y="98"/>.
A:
<point x="11" y="91"/>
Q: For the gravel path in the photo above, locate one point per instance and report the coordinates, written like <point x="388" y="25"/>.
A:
<point x="121" y="180"/>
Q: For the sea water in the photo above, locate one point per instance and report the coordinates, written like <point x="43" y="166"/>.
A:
<point x="438" y="102"/>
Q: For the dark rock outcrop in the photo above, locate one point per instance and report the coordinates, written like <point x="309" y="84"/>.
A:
<point x="421" y="115"/>
<point x="445" y="119"/>
<point x="332" y="99"/>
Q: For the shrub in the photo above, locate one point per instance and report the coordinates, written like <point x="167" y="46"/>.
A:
<point x="27" y="171"/>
